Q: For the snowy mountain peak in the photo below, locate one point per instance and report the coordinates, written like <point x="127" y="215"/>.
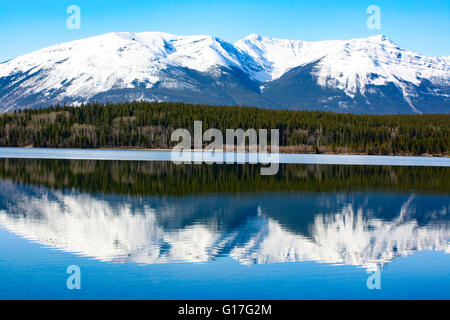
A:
<point x="89" y="69"/>
<point x="379" y="38"/>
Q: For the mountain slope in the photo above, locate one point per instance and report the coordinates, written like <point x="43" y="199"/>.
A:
<point x="371" y="75"/>
<point x="359" y="70"/>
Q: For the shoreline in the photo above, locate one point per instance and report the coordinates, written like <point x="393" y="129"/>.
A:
<point x="282" y="150"/>
<point x="197" y="157"/>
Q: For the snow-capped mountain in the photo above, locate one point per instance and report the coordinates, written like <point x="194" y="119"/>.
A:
<point x="371" y="75"/>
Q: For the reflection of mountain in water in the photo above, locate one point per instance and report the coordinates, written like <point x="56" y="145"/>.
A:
<point x="361" y="229"/>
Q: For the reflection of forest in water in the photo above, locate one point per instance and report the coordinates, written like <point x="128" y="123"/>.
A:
<point x="157" y="212"/>
<point x="166" y="178"/>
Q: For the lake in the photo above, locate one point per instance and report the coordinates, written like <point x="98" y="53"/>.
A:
<point x="156" y="230"/>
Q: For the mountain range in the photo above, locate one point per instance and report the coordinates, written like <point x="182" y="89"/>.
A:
<point x="369" y="75"/>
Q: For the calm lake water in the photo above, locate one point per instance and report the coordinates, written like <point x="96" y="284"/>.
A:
<point x="156" y="230"/>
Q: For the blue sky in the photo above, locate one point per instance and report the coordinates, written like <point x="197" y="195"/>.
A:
<point x="418" y="25"/>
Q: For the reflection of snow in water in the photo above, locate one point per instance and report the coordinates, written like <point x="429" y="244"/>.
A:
<point x="345" y="238"/>
<point x="116" y="231"/>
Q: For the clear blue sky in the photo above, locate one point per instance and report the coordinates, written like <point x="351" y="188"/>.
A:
<point x="418" y="25"/>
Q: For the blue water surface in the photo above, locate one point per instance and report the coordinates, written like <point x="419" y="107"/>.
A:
<point x="137" y="231"/>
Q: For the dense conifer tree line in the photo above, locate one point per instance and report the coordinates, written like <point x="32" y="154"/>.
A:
<point x="149" y="125"/>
